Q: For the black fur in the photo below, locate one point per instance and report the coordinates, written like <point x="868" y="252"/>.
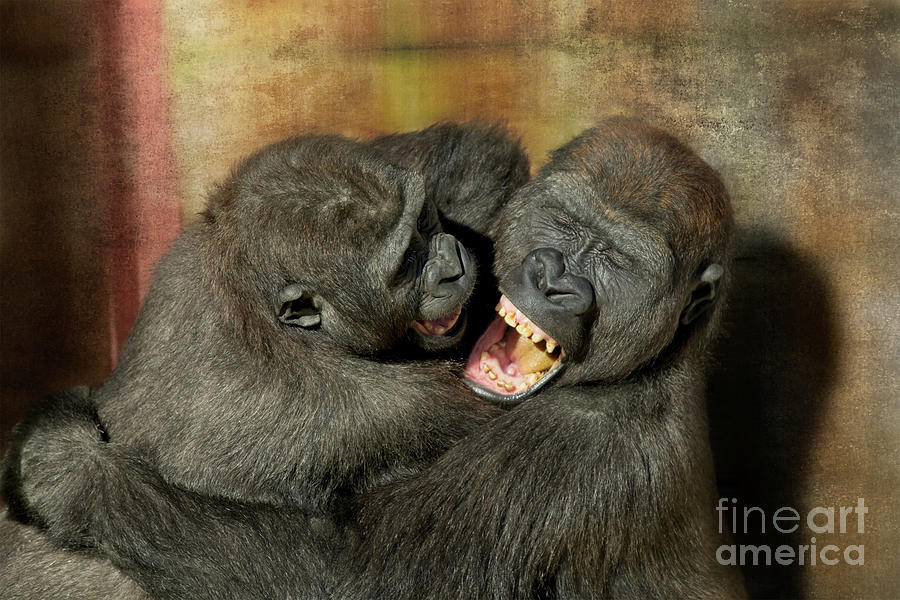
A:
<point x="63" y="423"/>
<point x="218" y="399"/>
<point x="601" y="485"/>
<point x="471" y="171"/>
<point x="169" y="538"/>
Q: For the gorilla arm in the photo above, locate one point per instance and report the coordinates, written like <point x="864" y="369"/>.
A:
<point x="85" y="492"/>
<point x="543" y="501"/>
<point x="544" y="498"/>
<point x="518" y="508"/>
<point x="471" y="170"/>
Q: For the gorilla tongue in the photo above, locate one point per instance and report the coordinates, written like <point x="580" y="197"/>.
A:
<point x="438" y="327"/>
<point x="529" y="358"/>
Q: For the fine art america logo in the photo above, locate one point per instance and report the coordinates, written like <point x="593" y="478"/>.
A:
<point x="787" y="520"/>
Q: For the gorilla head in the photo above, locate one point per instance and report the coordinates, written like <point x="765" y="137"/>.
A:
<point x="350" y="253"/>
<point x="611" y="262"/>
<point x="607" y="262"/>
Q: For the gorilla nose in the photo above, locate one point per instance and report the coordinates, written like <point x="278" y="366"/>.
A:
<point x="545" y="269"/>
<point x="449" y="262"/>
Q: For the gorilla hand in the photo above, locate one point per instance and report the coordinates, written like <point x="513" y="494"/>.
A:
<point x="50" y="465"/>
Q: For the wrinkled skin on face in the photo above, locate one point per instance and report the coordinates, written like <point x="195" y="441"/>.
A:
<point x="598" y="267"/>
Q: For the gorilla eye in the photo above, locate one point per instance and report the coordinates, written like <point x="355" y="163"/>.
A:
<point x="603" y="261"/>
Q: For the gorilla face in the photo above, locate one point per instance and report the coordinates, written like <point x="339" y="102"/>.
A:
<point x="352" y="253"/>
<point x="601" y="258"/>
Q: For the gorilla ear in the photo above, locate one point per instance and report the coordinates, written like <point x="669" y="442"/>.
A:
<point x="703" y="295"/>
<point x="298" y="307"/>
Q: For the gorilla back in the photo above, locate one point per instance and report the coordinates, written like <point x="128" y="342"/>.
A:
<point x="250" y="374"/>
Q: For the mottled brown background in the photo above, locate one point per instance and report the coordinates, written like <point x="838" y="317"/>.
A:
<point x="795" y="103"/>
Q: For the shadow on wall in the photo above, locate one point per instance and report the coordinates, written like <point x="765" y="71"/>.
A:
<point x="767" y="392"/>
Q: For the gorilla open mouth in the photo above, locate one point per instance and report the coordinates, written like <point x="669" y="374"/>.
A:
<point x="513" y="358"/>
<point x="445" y="330"/>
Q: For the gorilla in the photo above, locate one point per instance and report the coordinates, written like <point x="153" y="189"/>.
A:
<point x="267" y="364"/>
<point x="612" y="263"/>
<point x="596" y="483"/>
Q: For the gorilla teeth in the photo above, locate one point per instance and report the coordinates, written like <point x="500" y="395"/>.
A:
<point x="506" y="385"/>
<point x="435" y="329"/>
<point x="514" y="354"/>
<point x="524" y="328"/>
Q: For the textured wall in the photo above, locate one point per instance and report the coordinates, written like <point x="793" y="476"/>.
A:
<point x="795" y="103"/>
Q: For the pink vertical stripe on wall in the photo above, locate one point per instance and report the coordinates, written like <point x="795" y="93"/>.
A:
<point x="138" y="188"/>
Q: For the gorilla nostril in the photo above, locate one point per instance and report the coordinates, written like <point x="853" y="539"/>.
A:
<point x="546" y="269"/>
<point x="544" y="272"/>
<point x="460" y="262"/>
<point x="560" y="297"/>
<point x="572" y="293"/>
<point x="451" y="278"/>
<point x="447" y="262"/>
<point x="455" y="268"/>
